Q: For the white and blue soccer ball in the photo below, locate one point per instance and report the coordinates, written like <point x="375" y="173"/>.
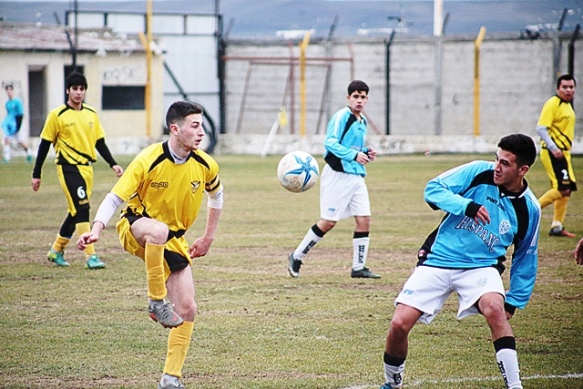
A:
<point x="298" y="171"/>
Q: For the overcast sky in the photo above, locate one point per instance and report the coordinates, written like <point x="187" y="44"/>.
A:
<point x="264" y="18"/>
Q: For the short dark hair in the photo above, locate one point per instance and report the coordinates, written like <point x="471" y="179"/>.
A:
<point x="9" y="86"/>
<point x="181" y="109"/>
<point x="565" y="77"/>
<point x="522" y="146"/>
<point x="357" y="85"/>
<point x="75" y="79"/>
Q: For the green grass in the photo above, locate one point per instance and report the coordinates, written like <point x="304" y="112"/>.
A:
<point x="257" y="327"/>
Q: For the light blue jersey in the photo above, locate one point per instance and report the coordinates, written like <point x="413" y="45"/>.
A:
<point x="13" y="120"/>
<point x="461" y="243"/>
<point x="345" y="137"/>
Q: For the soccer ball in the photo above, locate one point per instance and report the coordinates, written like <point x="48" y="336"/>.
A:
<point x="297" y="171"/>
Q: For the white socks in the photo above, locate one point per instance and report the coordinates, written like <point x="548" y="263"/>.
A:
<point x="508" y="364"/>
<point x="306" y="245"/>
<point x="360" y="251"/>
<point x="6" y="152"/>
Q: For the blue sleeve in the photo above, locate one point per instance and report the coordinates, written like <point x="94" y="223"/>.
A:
<point x="525" y="262"/>
<point x="445" y="191"/>
<point x="18" y="107"/>
<point x="334" y="132"/>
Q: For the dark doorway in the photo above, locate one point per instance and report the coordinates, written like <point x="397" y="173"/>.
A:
<point x="37" y="97"/>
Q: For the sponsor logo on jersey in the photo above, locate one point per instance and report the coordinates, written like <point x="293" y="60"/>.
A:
<point x="495" y="201"/>
<point x="489" y="238"/>
<point x="159" y="185"/>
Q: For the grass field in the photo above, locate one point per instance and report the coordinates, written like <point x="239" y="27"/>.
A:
<point x="257" y="327"/>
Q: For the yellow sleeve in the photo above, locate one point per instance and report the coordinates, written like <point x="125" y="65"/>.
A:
<point x="130" y="181"/>
<point x="547" y="114"/>
<point x="50" y="130"/>
<point x="213" y="182"/>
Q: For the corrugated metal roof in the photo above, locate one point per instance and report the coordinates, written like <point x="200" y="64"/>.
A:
<point x="30" y="37"/>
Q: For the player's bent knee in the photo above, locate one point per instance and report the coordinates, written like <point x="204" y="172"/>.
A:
<point x="150" y="231"/>
<point x="188" y="311"/>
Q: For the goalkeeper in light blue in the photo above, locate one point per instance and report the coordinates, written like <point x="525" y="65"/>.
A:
<point x="488" y="208"/>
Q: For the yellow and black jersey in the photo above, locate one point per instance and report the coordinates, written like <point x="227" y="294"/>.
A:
<point x="73" y="134"/>
<point x="156" y="187"/>
<point x="559" y="117"/>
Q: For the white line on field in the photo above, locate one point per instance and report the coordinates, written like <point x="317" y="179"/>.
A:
<point x="414" y="383"/>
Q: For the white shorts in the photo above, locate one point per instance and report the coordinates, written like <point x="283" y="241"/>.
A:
<point x="14" y="138"/>
<point x="428" y="288"/>
<point x="342" y="195"/>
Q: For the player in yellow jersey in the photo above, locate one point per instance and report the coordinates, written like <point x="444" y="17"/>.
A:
<point x="163" y="187"/>
<point x="556" y="127"/>
<point x="75" y="132"/>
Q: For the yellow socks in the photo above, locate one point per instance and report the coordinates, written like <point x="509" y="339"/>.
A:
<point x="154" y="258"/>
<point x="178" y="343"/>
<point x="560" y="209"/>
<point x="549" y="197"/>
<point x="60" y="244"/>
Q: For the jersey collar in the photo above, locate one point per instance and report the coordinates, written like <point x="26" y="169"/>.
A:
<point x="513" y="195"/>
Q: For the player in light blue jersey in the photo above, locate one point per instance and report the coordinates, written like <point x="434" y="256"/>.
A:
<point x="488" y="208"/>
<point x="343" y="191"/>
<point x="11" y="125"/>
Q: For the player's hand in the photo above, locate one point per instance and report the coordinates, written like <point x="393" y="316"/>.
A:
<point x="482" y="217"/>
<point x="362" y="158"/>
<point x="86" y="239"/>
<point x="558" y="153"/>
<point x="118" y="170"/>
<point x="200" y="247"/>
<point x="35" y="184"/>
<point x="579" y="252"/>
<point x="372" y="154"/>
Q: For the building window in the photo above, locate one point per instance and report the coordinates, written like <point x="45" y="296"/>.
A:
<point x="123" y="97"/>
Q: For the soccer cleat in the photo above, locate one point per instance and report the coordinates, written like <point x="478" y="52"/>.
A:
<point x="294" y="266"/>
<point x="363" y="273"/>
<point x="560" y="231"/>
<point x="386" y="385"/>
<point x="57" y="258"/>
<point x="163" y="313"/>
<point x="29" y="158"/>
<point x="94" y="263"/>
<point x="170" y="382"/>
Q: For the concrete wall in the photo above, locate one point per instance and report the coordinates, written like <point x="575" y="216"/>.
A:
<point x="516" y="78"/>
<point x="125" y="129"/>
